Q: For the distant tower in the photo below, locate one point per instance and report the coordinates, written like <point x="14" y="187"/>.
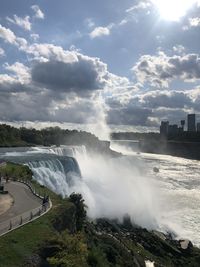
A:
<point x="164" y="128"/>
<point x="183" y="124"/>
<point x="191" y="123"/>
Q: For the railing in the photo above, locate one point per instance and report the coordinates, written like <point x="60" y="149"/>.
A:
<point x="27" y="216"/>
<point x="24" y="218"/>
<point x="33" y="190"/>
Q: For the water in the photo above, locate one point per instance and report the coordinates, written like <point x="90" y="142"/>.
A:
<point x="168" y="200"/>
<point x="179" y="183"/>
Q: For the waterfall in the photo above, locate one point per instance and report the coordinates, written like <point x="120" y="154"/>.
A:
<point x="60" y="173"/>
<point x="71" y="151"/>
<point x="53" y="167"/>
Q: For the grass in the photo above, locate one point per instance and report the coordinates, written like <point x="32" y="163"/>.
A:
<point x="20" y="244"/>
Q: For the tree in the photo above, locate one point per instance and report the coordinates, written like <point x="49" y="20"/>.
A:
<point x="78" y="201"/>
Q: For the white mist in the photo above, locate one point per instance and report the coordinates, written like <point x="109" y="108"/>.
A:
<point x="115" y="187"/>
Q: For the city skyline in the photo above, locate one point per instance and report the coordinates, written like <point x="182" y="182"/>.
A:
<point x="188" y="125"/>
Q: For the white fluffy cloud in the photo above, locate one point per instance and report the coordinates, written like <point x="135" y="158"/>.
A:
<point x="38" y="12"/>
<point x="21" y="22"/>
<point x="99" y="31"/>
<point x="7" y="35"/>
<point x="160" y="70"/>
<point x="20" y="71"/>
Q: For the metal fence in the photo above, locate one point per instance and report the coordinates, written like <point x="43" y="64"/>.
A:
<point x="33" y="190"/>
<point x="27" y="216"/>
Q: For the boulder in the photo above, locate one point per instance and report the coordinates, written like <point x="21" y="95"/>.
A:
<point x="185" y="245"/>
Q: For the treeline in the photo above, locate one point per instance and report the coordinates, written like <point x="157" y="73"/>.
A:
<point x="134" y="136"/>
<point x="11" y="136"/>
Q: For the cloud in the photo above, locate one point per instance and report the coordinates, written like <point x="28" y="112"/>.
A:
<point x="149" y="108"/>
<point x="167" y="99"/>
<point x="81" y="76"/>
<point x="141" y="5"/>
<point x="35" y="36"/>
<point x="21" y="22"/>
<point x="38" y="12"/>
<point x="7" y="35"/>
<point x="67" y="70"/>
<point x="59" y="85"/>
<point x="9" y="84"/>
<point x="194" y="22"/>
<point x="99" y="31"/>
<point x="161" y="69"/>
<point x="2" y="52"/>
<point x="45" y="52"/>
<point x="131" y="115"/>
<point x="89" y="22"/>
<point x="180" y="49"/>
<point x="20" y="71"/>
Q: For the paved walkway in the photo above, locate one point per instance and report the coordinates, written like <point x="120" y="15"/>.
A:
<point x="24" y="200"/>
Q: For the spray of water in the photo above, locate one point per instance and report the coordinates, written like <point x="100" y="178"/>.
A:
<point x="111" y="187"/>
<point x="115" y="187"/>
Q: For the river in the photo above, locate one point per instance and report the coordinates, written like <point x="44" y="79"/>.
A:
<point x="168" y="200"/>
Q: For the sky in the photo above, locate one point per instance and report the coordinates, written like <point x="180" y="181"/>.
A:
<point x="127" y="64"/>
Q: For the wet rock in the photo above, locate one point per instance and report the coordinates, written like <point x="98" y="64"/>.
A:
<point x="185" y="245"/>
<point x="155" y="169"/>
<point x="160" y="235"/>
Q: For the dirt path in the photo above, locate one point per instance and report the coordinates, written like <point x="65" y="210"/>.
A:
<point x="6" y="202"/>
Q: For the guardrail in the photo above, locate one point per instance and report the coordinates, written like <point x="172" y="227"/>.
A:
<point x="28" y="216"/>
<point x="33" y="190"/>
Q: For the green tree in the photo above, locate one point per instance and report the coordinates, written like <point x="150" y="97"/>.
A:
<point x="78" y="201"/>
<point x="71" y="251"/>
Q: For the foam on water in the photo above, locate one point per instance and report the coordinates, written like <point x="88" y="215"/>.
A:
<point x="179" y="183"/>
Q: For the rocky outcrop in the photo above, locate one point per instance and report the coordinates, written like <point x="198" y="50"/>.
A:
<point x="142" y="245"/>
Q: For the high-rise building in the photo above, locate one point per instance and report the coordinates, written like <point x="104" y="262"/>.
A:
<point x="173" y="129"/>
<point x="164" y="128"/>
<point x="182" y="124"/>
<point x="198" y="127"/>
<point x="191" y="123"/>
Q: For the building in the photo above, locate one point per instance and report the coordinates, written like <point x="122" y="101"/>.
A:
<point x="173" y="129"/>
<point x="182" y="124"/>
<point x="191" y="123"/>
<point x="164" y="128"/>
<point x="198" y="127"/>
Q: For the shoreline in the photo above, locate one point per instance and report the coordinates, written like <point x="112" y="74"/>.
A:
<point x="188" y="150"/>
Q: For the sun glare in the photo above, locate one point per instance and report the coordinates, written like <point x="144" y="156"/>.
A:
<point x="173" y="9"/>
